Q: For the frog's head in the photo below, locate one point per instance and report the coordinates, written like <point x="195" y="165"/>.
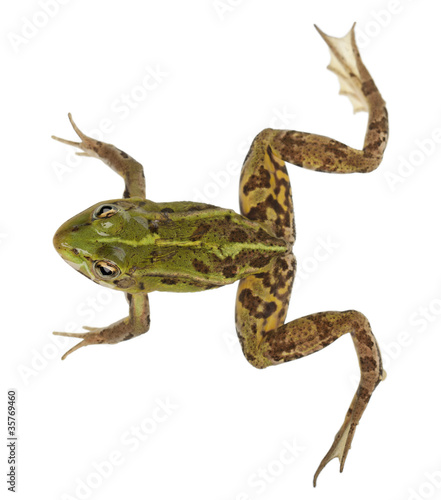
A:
<point x="96" y="242"/>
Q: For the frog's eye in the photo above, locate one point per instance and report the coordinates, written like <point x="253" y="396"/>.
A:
<point x="105" y="211"/>
<point x="105" y="270"/>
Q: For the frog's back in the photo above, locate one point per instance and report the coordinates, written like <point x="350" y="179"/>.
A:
<point x="193" y="246"/>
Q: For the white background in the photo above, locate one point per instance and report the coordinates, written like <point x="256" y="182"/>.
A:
<point x="227" y="73"/>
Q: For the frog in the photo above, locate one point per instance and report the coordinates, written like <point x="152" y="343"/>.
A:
<point x="138" y="246"/>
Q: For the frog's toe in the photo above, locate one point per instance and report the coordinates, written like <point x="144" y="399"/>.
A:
<point x="74" y="348"/>
<point x="66" y="141"/>
<point x="89" y="338"/>
<point x="77" y="130"/>
<point x="86" y="144"/>
<point x="80" y="134"/>
<point x="65" y="334"/>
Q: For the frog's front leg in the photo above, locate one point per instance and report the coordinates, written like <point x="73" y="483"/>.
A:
<point x="136" y="323"/>
<point x="119" y="161"/>
<point x="262" y="301"/>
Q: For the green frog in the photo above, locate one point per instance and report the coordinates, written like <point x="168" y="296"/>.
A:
<point x="138" y="246"/>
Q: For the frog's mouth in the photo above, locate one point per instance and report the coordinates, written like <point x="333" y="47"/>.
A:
<point x="64" y="243"/>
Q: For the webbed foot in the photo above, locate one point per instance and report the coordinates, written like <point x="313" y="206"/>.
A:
<point x="346" y="63"/>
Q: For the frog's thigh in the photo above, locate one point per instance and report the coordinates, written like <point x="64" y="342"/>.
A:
<point x="261" y="306"/>
<point x="265" y="190"/>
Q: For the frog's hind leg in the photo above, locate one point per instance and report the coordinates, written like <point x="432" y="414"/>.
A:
<point x="321" y="153"/>
<point x="262" y="299"/>
<point x="261" y="306"/>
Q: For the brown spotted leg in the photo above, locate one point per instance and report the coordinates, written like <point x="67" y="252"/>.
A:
<point x="136" y="323"/>
<point x="265" y="196"/>
<point x="311" y="333"/>
<point x="260" y="312"/>
<point x="119" y="161"/>
<point x="131" y="171"/>
<point x="321" y="153"/>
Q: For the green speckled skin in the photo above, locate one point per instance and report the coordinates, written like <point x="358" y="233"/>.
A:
<point x="177" y="246"/>
<point x="138" y="246"/>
